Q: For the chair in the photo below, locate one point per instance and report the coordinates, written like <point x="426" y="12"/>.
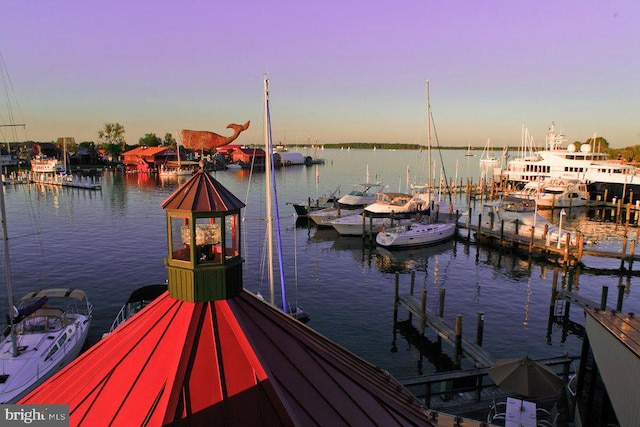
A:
<point x="547" y="418"/>
<point x="497" y="411"/>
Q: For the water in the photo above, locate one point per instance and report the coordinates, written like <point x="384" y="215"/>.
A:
<point x="113" y="241"/>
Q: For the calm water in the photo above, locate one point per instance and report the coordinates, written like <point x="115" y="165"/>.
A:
<point x="112" y="241"/>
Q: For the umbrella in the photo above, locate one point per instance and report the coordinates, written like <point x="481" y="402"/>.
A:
<point x="526" y="377"/>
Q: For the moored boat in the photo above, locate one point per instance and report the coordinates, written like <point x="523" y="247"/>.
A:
<point x="48" y="331"/>
<point x="138" y="300"/>
<point x="576" y="162"/>
<point x="323" y="202"/>
<point x="557" y="193"/>
<point x="415" y="234"/>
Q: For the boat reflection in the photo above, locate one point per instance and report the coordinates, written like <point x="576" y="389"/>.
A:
<point x="411" y="259"/>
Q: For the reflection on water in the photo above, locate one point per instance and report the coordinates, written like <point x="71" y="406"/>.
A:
<point x="113" y="241"/>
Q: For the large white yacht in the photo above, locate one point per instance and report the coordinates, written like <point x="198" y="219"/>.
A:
<point x="586" y="164"/>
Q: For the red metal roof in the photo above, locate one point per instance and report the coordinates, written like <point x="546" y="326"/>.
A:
<point x="146" y="151"/>
<point x="202" y="193"/>
<point x="230" y="362"/>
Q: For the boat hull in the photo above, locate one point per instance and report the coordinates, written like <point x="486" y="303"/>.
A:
<point x="416" y="235"/>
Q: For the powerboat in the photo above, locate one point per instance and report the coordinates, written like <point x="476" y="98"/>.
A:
<point x="361" y="195"/>
<point x="355" y="225"/>
<point x="138" y="300"/>
<point x="576" y="162"/>
<point x="557" y="193"/>
<point x="48" y="330"/>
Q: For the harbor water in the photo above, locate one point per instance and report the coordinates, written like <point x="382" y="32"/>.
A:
<point x="112" y="241"/>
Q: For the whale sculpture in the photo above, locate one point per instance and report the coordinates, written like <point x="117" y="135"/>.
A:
<point x="204" y="140"/>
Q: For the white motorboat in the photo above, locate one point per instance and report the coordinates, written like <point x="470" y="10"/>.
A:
<point x="415" y="234"/>
<point x="324" y="217"/>
<point x="557" y="193"/>
<point x="582" y="163"/>
<point x="361" y="195"/>
<point x="356" y="225"/>
<point x="398" y="203"/>
<point x="48" y="331"/>
<point x="517" y="212"/>
<point x="323" y="202"/>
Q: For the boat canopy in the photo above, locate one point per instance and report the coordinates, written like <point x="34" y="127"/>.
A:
<point x="56" y="293"/>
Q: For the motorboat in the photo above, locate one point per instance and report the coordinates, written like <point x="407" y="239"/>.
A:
<point x="387" y="204"/>
<point x="349" y="204"/>
<point x="557" y="193"/>
<point x="361" y="195"/>
<point x="138" y="300"/>
<point x="324" y="217"/>
<point x="48" y="330"/>
<point x="357" y="224"/>
<point x="323" y="202"/>
<point x="415" y="234"/>
<point x="517" y="213"/>
<point x="576" y="162"/>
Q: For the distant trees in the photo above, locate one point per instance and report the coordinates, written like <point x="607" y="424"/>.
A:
<point x="150" y="140"/>
<point x="169" y="140"/>
<point x="112" y="138"/>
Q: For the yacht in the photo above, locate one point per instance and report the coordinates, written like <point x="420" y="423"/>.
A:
<point x="584" y="163"/>
<point x="557" y="193"/>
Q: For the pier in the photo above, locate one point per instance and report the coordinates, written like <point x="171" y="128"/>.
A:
<point x="462" y="345"/>
<point x="71" y="181"/>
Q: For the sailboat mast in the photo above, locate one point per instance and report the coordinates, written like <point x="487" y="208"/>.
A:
<point x="428" y="139"/>
<point x="7" y="263"/>
<point x="267" y="168"/>
<point x="271" y="182"/>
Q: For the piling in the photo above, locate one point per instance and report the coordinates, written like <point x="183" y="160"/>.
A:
<point x="603" y="298"/>
<point x="480" y="328"/>
<point x="457" y="353"/>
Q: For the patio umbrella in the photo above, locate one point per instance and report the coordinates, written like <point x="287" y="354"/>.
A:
<point x="526" y="377"/>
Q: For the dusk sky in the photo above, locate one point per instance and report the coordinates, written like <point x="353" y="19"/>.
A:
<point x="340" y="71"/>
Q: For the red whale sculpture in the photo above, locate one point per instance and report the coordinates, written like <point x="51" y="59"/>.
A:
<point x="203" y="140"/>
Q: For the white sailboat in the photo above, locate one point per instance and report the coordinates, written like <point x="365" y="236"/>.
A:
<point x="45" y="332"/>
<point x="271" y="198"/>
<point x="418" y="233"/>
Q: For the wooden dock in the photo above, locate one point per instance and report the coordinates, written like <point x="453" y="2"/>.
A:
<point x="567" y="252"/>
<point x="462" y="345"/>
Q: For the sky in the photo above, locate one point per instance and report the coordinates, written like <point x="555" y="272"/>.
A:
<point x="339" y="71"/>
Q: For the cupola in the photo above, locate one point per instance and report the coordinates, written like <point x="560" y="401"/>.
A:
<point x="203" y="229"/>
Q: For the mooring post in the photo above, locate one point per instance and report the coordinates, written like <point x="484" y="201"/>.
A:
<point x="364" y="226"/>
<point x="533" y="232"/>
<point x="603" y="298"/>
<point x="423" y="316"/>
<point x="620" y="294"/>
<point x="502" y="230"/>
<point x="413" y="280"/>
<point x="632" y="252"/>
<point x="480" y="329"/>
<point x="469" y="224"/>
<point x="566" y="248"/>
<point x="458" y="347"/>
<point x="441" y="303"/>
<point x="396" y="301"/>
<point x="624" y="251"/>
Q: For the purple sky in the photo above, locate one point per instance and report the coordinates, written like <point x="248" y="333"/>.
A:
<point x="340" y="71"/>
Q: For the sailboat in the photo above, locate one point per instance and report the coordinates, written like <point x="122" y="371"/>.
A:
<point x="270" y="186"/>
<point x="179" y="171"/>
<point x="422" y="232"/>
<point x="45" y="332"/>
<point x="469" y="153"/>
